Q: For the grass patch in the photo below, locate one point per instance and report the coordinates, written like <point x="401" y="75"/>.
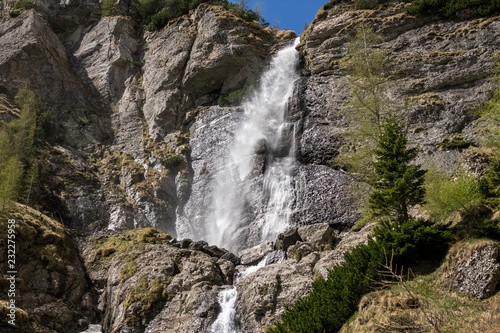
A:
<point x="173" y="162"/>
<point x="128" y="270"/>
<point x="235" y="97"/>
<point x="455" y="143"/>
<point x="131" y="240"/>
<point x="449" y="8"/>
<point x="146" y="295"/>
<point x="453" y="311"/>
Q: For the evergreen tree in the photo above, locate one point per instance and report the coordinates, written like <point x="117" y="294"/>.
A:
<point x="398" y="185"/>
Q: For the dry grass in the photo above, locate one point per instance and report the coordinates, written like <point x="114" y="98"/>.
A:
<point x="393" y="310"/>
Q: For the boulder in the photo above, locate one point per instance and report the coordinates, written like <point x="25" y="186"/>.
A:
<point x="319" y="233"/>
<point x="475" y="269"/>
<point x="276" y="257"/>
<point x="286" y="239"/>
<point x="300" y="250"/>
<point x="255" y="254"/>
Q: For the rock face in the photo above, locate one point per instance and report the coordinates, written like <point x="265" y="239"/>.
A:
<point x="53" y="292"/>
<point x="146" y="282"/>
<point x="475" y="270"/>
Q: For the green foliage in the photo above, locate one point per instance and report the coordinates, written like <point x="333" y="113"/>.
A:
<point x="146" y="295"/>
<point x="22" y="147"/>
<point x="488" y="229"/>
<point x="24" y="4"/>
<point x="367" y="70"/>
<point x="173" y="162"/>
<point x="448" y="8"/>
<point x="235" y="97"/>
<point x="155" y="14"/>
<point x="332" y="301"/>
<point x="398" y="185"/>
<point x="413" y="240"/>
<point x="368" y="4"/>
<point x="455" y="143"/>
<point x="107" y="7"/>
<point x="444" y="196"/>
<point x="10" y="181"/>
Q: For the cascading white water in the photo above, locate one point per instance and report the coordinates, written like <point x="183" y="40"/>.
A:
<point x="225" y="322"/>
<point x="264" y="140"/>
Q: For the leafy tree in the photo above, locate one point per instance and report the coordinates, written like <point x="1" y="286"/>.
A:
<point x="444" y="196"/>
<point x="398" y="185"/>
<point x="366" y="67"/>
<point x="21" y="148"/>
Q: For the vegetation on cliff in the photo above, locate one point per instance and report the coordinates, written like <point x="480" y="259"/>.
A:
<point x="22" y="149"/>
<point x="399" y="239"/>
<point x="155" y="14"/>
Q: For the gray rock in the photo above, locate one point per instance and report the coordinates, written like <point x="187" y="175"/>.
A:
<point x="300" y="250"/>
<point x="286" y="239"/>
<point x="255" y="254"/>
<point x="319" y="233"/>
<point x="478" y="272"/>
<point x="275" y="257"/>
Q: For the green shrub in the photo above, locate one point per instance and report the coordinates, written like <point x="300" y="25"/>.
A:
<point x="235" y="97"/>
<point x="448" y="8"/>
<point x="173" y="162"/>
<point x="24" y="5"/>
<point x="445" y="197"/>
<point x="413" y="240"/>
<point x="107" y="7"/>
<point x="332" y="301"/>
<point x="456" y="143"/>
<point x="488" y="229"/>
<point x="155" y="14"/>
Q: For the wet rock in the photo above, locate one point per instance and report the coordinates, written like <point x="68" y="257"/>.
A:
<point x="255" y="254"/>
<point x="287" y="238"/>
<point x="232" y="258"/>
<point x="275" y="257"/>
<point x="214" y="251"/>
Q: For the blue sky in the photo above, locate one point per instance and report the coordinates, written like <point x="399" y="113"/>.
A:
<point x="289" y="14"/>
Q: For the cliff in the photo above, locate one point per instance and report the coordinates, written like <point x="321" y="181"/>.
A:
<point x="141" y="122"/>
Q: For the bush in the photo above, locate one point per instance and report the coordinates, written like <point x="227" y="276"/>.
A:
<point x="172" y="162"/>
<point x="448" y="8"/>
<point x="24" y="5"/>
<point x="445" y="197"/>
<point x="332" y="301"/>
<point x="235" y="97"/>
<point x="413" y="241"/>
<point x="488" y="229"/>
<point x="107" y="7"/>
<point x="155" y="14"/>
<point x="457" y="143"/>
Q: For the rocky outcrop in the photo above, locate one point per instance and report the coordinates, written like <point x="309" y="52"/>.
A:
<point x="147" y="281"/>
<point x="51" y="287"/>
<point x="474" y="269"/>
<point x="439" y="72"/>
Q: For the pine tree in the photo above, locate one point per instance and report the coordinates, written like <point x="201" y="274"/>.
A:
<point x="398" y="185"/>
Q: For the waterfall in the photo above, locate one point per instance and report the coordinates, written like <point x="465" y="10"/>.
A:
<point x="225" y="322"/>
<point x="253" y="191"/>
